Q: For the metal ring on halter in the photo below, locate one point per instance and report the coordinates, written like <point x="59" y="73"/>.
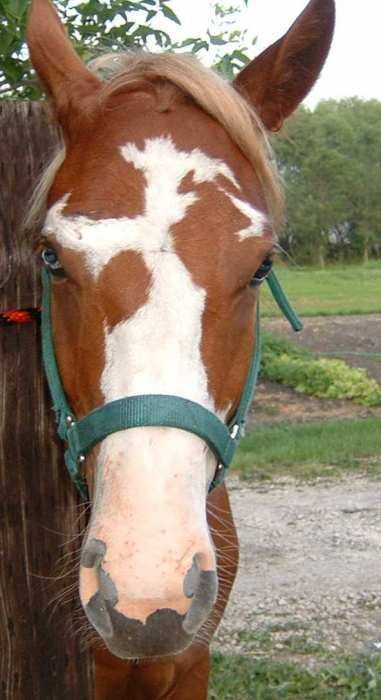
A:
<point x="235" y="431"/>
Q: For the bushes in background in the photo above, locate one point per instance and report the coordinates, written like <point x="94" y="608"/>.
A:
<point x="284" y="363"/>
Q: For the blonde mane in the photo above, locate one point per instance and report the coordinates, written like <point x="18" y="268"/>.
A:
<point x="184" y="73"/>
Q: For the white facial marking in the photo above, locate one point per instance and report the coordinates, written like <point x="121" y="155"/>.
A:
<point x="160" y="343"/>
<point x="258" y="220"/>
<point x="164" y="168"/>
<point x="158" y="349"/>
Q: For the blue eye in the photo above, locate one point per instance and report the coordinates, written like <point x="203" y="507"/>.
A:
<point x="262" y="272"/>
<point x="50" y="259"/>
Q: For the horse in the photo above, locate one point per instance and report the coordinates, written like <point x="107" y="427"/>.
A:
<point x="162" y="205"/>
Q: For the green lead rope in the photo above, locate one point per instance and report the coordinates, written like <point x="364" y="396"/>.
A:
<point x="283" y="303"/>
<point x="152" y="410"/>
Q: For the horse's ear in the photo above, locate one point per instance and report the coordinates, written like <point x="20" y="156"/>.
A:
<point x="59" y="67"/>
<point x="279" y="78"/>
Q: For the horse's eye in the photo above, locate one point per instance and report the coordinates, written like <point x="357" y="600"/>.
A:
<point x="262" y="272"/>
<point x="50" y="259"/>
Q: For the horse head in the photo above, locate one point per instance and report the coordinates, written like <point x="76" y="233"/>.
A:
<point x="163" y="205"/>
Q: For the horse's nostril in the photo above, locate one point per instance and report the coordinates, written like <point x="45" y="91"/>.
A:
<point x="93" y="553"/>
<point x="203" y="601"/>
<point x="192" y="579"/>
<point x="98" y="581"/>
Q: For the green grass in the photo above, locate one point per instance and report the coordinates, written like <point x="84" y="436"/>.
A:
<point x="338" y="290"/>
<point x="290" y="637"/>
<point x="307" y="450"/>
<point x="243" y="678"/>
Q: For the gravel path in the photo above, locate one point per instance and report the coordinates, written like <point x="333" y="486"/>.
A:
<point x="310" y="570"/>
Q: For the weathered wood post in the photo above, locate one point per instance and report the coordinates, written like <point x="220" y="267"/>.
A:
<point x="41" y="653"/>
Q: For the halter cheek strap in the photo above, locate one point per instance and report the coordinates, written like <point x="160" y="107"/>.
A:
<point x="149" y="409"/>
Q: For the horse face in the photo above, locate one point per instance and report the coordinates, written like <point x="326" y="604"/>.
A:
<point x="154" y="299"/>
<point x="158" y="222"/>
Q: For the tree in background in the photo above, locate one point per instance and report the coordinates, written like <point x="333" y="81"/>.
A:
<point x="330" y="160"/>
<point x="364" y="176"/>
<point x="98" y="25"/>
<point x="228" y="45"/>
<point x="112" y="24"/>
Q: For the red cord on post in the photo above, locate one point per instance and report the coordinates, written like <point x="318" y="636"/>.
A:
<point x="17" y="316"/>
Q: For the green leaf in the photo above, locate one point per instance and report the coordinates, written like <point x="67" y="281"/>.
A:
<point x="6" y="40"/>
<point x="162" y="38"/>
<point x="217" y="39"/>
<point x="170" y="14"/>
<point x="188" y="42"/>
<point x="14" y="72"/>
<point x="17" y="8"/>
<point x="199" y="46"/>
<point x="225" y="67"/>
<point x="241" y="57"/>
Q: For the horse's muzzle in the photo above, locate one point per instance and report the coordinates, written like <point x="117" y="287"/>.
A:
<point x="164" y="632"/>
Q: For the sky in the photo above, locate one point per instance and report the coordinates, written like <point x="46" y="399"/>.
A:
<point x="354" y="64"/>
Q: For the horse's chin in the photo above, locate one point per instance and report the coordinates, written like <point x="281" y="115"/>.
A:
<point x="161" y="635"/>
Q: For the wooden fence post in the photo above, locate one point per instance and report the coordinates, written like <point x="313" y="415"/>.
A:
<point x="41" y="654"/>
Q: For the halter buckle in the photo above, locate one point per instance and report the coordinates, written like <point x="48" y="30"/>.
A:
<point x="235" y="431"/>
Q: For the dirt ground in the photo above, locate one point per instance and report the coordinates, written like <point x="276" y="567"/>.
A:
<point x="309" y="585"/>
<point x="309" y="581"/>
<point x="274" y="403"/>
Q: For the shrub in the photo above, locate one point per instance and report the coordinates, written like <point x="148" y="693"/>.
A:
<point x="325" y="378"/>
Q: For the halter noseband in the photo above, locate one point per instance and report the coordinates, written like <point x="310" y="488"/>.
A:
<point x="151" y="410"/>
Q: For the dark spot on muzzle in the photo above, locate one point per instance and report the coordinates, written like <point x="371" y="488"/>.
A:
<point x="160" y="635"/>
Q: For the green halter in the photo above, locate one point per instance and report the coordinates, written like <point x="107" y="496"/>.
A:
<point x="149" y="409"/>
